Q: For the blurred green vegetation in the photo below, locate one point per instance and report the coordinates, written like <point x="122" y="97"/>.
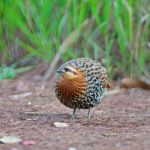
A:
<point x="119" y="32"/>
<point x="7" y="73"/>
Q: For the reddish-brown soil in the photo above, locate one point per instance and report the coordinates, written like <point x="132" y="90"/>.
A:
<point x="29" y="109"/>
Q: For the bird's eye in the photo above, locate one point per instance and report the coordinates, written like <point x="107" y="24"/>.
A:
<point x="66" y="69"/>
<point x="69" y="69"/>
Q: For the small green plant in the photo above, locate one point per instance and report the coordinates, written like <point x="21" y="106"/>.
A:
<point x="12" y="72"/>
<point x="7" y="73"/>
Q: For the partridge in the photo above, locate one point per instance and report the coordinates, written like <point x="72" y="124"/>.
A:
<point x="81" y="83"/>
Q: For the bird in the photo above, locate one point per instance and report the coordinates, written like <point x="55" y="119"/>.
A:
<point x="81" y="84"/>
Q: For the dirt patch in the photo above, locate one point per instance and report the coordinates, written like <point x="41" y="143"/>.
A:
<point x="29" y="109"/>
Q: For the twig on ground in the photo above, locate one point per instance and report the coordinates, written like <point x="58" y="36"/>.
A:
<point x="115" y="91"/>
<point x="37" y="113"/>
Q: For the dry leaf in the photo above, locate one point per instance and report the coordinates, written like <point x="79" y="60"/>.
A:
<point x="134" y="83"/>
<point x="28" y="142"/>
<point x="10" y="139"/>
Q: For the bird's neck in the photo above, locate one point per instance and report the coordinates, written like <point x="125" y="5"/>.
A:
<point x="72" y="88"/>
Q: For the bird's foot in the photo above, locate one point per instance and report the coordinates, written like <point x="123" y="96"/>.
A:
<point x="73" y="116"/>
<point x="89" y="114"/>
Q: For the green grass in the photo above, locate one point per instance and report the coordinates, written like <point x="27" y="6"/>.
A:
<point x="118" y="35"/>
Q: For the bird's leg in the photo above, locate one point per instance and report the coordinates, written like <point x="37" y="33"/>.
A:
<point x="74" y="113"/>
<point x="89" y="114"/>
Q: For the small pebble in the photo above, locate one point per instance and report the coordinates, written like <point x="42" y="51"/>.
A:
<point x="29" y="103"/>
<point x="60" y="124"/>
<point x="72" y="148"/>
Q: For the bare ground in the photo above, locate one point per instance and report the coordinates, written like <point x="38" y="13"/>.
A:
<point x="29" y="109"/>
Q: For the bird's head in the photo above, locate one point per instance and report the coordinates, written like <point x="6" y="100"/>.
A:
<point x="68" y="72"/>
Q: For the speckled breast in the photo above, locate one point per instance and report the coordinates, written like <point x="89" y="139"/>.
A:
<point x="85" y="92"/>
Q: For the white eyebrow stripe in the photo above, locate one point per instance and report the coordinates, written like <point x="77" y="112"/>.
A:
<point x="70" y="68"/>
